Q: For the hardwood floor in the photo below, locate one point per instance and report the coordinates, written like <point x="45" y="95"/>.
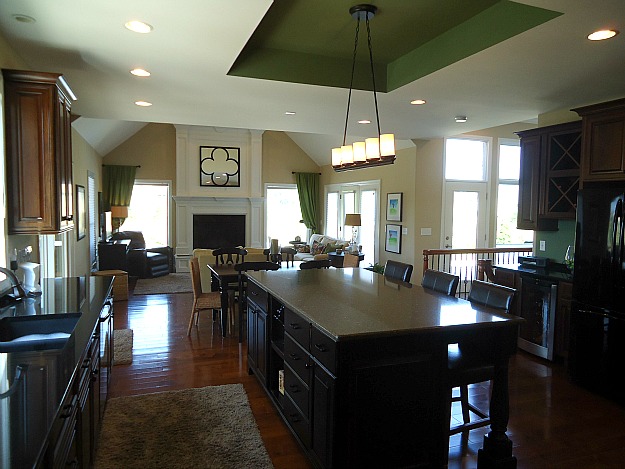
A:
<point x="553" y="424"/>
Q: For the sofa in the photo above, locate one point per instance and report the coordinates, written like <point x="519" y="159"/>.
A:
<point x="318" y="247"/>
<point x="135" y="258"/>
<point x="205" y="257"/>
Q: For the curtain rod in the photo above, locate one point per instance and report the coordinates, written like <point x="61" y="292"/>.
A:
<point x="295" y="172"/>
<point x="137" y="166"/>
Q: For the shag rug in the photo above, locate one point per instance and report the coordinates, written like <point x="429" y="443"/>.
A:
<point x="122" y="346"/>
<point x="179" y="282"/>
<point x="210" y="427"/>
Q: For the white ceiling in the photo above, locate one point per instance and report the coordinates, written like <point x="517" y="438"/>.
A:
<point x="194" y="43"/>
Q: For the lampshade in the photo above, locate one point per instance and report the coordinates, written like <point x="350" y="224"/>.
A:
<point x="119" y="211"/>
<point x="352" y="219"/>
<point x="387" y="145"/>
<point x="360" y="154"/>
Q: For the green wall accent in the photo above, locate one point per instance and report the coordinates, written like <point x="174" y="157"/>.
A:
<point x="556" y="241"/>
<point x="312" y="42"/>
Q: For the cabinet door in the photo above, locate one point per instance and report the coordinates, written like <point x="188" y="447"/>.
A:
<point x="261" y="345"/>
<point x="529" y="186"/>
<point x="563" y="319"/>
<point x="65" y="186"/>
<point x="604" y="147"/>
<point x="251" y="338"/>
<point x="323" y="395"/>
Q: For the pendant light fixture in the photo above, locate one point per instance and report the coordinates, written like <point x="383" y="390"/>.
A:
<point x="375" y="151"/>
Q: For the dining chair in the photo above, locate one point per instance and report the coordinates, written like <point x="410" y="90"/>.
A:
<point x="349" y="260"/>
<point x="469" y="364"/>
<point x="201" y="301"/>
<point x="442" y="282"/>
<point x="245" y="267"/>
<point x="288" y="254"/>
<point x="229" y="255"/>
<point x="398" y="270"/>
<point x="321" y="264"/>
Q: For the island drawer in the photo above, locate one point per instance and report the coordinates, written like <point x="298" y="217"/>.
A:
<point x="257" y="295"/>
<point x="297" y="358"/>
<point x="323" y="349"/>
<point x="298" y="422"/>
<point x="297" y="327"/>
<point x="297" y="390"/>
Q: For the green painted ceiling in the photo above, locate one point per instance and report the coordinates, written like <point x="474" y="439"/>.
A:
<point x="312" y="41"/>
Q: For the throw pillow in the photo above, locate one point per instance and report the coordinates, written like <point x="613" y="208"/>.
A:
<point x="305" y="248"/>
<point x="330" y="248"/>
<point x="317" y="248"/>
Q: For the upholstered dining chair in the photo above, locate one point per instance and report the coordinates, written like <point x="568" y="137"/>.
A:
<point x="398" y="271"/>
<point x="349" y="260"/>
<point x="201" y="301"/>
<point x="442" y="282"/>
<point x="468" y="364"/>
<point x="245" y="267"/>
<point x="320" y="264"/>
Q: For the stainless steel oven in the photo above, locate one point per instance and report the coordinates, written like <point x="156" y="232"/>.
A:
<point x="538" y="306"/>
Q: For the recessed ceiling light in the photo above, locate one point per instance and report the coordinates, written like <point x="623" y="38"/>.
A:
<point x="602" y="34"/>
<point x="417" y="102"/>
<point x="143" y="103"/>
<point x="139" y="27"/>
<point x="461" y="119"/>
<point x="139" y="72"/>
<point x="364" y="121"/>
<point x="24" y="18"/>
<point x="289" y="113"/>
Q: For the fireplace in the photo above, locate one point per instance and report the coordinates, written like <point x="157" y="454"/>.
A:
<point x="215" y="231"/>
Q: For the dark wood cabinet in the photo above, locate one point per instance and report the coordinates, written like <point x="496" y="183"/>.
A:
<point x="563" y="319"/>
<point x="603" y="141"/>
<point x="257" y="335"/>
<point x="549" y="175"/>
<point x="39" y="153"/>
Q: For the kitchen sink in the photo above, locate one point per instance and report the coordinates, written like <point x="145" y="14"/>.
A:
<point x="34" y="333"/>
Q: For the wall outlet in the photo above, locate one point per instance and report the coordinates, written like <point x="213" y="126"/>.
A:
<point x="543" y="245"/>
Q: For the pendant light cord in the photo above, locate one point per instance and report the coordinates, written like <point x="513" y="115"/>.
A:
<point x="351" y="82"/>
<point x="375" y="96"/>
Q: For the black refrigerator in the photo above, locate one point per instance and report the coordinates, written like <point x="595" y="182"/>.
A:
<point x="597" y="334"/>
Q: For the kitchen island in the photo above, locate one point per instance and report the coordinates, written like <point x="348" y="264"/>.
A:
<point x="357" y="364"/>
<point x="53" y="390"/>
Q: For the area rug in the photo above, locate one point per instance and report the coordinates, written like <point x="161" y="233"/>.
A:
<point x="210" y="427"/>
<point x="171" y="283"/>
<point x="122" y="346"/>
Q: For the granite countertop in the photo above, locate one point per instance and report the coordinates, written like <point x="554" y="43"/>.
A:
<point x="557" y="272"/>
<point x="349" y="303"/>
<point x="26" y="415"/>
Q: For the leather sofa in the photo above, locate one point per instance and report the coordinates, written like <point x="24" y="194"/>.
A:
<point x="144" y="262"/>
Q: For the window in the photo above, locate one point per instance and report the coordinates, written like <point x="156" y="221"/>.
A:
<point x="465" y="220"/>
<point x="149" y="212"/>
<point x="93" y="229"/>
<point x="284" y="214"/>
<point x="508" y="196"/>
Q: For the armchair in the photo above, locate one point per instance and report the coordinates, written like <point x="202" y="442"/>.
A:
<point x="145" y="262"/>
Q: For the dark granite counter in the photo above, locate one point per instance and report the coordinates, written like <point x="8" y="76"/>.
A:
<point x="555" y="272"/>
<point x="349" y="303"/>
<point x="28" y="410"/>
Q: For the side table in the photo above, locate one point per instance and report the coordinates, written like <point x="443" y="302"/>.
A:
<point x="336" y="259"/>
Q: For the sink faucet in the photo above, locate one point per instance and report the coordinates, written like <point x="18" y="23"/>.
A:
<point x="15" y="283"/>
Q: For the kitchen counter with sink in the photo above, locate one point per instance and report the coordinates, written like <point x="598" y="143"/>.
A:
<point x="45" y="343"/>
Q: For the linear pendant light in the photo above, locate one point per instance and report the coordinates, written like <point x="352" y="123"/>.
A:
<point x="375" y="151"/>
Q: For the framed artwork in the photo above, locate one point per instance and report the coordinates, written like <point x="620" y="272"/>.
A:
<point x="393" y="206"/>
<point x="393" y="239"/>
<point x="81" y="212"/>
<point x="219" y="166"/>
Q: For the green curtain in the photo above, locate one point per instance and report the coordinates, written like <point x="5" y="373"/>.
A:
<point x="308" y="191"/>
<point x="117" y="184"/>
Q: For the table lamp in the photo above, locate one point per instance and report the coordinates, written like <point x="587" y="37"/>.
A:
<point x="353" y="220"/>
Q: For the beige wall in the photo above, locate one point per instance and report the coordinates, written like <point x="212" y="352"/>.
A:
<point x="85" y="159"/>
<point x="282" y="156"/>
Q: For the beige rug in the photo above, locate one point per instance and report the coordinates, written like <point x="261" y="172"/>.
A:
<point x="122" y="348"/>
<point x="179" y="282"/>
<point x="210" y="427"/>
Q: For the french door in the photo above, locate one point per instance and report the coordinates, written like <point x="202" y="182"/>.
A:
<point x="466" y="218"/>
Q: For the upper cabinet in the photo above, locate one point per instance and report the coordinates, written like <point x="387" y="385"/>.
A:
<point x="39" y="152"/>
<point x="549" y="175"/>
<point x="603" y="145"/>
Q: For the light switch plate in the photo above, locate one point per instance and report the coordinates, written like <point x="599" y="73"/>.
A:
<point x="543" y="245"/>
<point x="404" y="231"/>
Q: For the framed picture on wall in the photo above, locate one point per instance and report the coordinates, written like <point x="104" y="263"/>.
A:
<point x="81" y="212"/>
<point x="394" y="206"/>
<point x="393" y="239"/>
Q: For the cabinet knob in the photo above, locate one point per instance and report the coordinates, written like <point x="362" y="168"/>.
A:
<point x="321" y="347"/>
<point x="295" y="325"/>
<point x="294" y="356"/>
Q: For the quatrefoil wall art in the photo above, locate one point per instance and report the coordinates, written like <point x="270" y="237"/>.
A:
<point x="219" y="166"/>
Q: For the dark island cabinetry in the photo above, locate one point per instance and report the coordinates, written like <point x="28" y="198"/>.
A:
<point x="38" y="152"/>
